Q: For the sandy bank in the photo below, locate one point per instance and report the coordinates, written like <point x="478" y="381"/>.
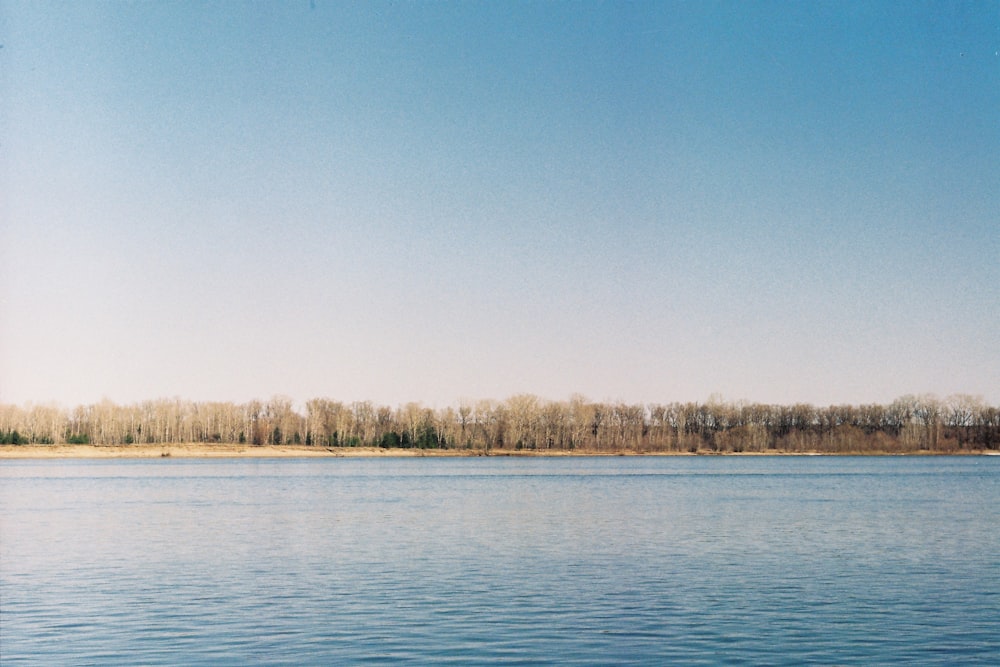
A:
<point x="202" y="450"/>
<point x="206" y="450"/>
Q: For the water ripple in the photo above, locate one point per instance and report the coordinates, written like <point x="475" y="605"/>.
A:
<point x="582" y="562"/>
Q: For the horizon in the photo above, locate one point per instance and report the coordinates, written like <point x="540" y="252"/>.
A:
<point x="653" y="202"/>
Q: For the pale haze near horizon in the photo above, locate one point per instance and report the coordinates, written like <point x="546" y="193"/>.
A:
<point x="649" y="202"/>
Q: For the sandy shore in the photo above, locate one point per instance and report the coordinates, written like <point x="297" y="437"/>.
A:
<point x="203" y="450"/>
<point x="206" y="450"/>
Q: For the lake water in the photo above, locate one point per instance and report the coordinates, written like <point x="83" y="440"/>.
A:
<point x="682" y="560"/>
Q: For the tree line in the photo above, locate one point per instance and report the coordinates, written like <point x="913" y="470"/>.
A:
<point x="523" y="422"/>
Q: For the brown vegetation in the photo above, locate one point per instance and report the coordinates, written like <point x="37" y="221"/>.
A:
<point x="522" y="423"/>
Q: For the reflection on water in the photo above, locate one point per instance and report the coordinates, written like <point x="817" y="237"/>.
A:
<point x="622" y="560"/>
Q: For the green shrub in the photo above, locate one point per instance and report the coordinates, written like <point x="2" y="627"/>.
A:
<point x="12" y="438"/>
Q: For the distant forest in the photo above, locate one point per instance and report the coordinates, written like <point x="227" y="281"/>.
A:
<point x="523" y="422"/>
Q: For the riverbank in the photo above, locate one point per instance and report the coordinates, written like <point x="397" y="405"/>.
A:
<point x="199" y="450"/>
<point x="206" y="450"/>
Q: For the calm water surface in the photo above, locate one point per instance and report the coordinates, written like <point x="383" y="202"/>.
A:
<point x="582" y="560"/>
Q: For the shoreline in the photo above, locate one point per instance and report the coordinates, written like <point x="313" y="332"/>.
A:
<point x="205" y="450"/>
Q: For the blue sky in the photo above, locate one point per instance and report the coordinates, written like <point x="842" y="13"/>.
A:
<point x="404" y="201"/>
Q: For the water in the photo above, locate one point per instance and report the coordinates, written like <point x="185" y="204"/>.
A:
<point x="701" y="560"/>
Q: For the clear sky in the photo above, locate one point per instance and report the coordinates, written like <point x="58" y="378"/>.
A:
<point x="408" y="201"/>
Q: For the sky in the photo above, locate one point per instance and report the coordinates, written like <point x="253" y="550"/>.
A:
<point x="444" y="201"/>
